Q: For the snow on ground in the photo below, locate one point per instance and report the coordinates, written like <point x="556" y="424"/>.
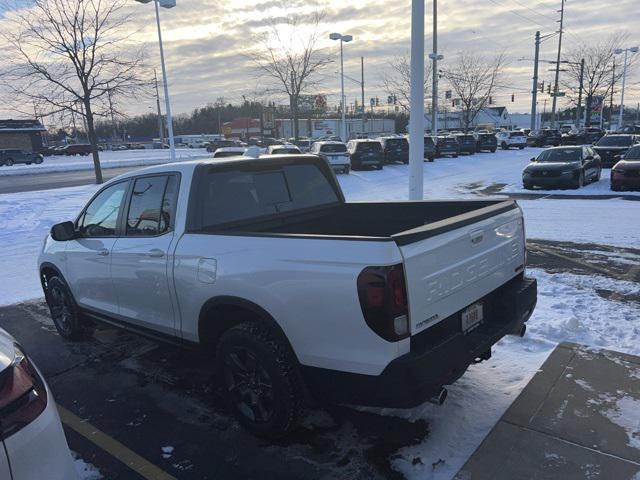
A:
<point x="86" y="471"/>
<point x="108" y="159"/>
<point x="569" y="309"/>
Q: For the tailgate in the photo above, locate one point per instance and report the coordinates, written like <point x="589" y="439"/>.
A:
<point x="452" y="263"/>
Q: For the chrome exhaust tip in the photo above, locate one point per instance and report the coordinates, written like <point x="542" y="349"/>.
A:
<point x="440" y="397"/>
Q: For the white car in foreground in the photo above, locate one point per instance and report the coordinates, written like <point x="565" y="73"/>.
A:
<point x="34" y="445"/>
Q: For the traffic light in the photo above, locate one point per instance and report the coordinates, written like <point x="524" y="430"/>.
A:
<point x="549" y="89"/>
<point x="542" y="87"/>
<point x="490" y="100"/>
<point x="377" y="101"/>
<point x="513" y="98"/>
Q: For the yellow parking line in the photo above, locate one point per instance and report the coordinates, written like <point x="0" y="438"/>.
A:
<point x="117" y="450"/>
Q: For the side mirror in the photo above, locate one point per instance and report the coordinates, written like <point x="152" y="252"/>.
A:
<point x="61" y="232"/>
<point x="589" y="157"/>
<point x="532" y="159"/>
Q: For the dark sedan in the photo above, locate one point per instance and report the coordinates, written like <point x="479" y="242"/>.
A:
<point x="626" y="173"/>
<point x="486" y="141"/>
<point x="11" y="156"/>
<point x="544" y="137"/>
<point x="447" y="145"/>
<point x="562" y="167"/>
<point x="612" y="148"/>
<point x="467" y="143"/>
<point x="584" y="136"/>
<point x="429" y="148"/>
<point x="365" y="153"/>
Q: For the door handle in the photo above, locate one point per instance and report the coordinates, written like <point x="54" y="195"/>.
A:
<point x="103" y="252"/>
<point x="155" y="253"/>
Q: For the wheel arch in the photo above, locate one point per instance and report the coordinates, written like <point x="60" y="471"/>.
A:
<point x="219" y="314"/>
<point x="48" y="270"/>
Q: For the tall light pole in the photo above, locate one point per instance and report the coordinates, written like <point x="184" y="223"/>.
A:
<point x="343" y="39"/>
<point x="165" y="4"/>
<point x="434" y="57"/>
<point x="618" y="51"/>
<point x="416" y="99"/>
<point x="555" y="83"/>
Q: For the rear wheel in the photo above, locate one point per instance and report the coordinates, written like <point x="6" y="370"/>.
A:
<point x="527" y="186"/>
<point x="8" y="162"/>
<point x="455" y="155"/>
<point x="38" y="161"/>
<point x="504" y="146"/>
<point x="261" y="381"/>
<point x="64" y="311"/>
<point x="521" y="147"/>
<point x="493" y="150"/>
<point x="579" y="182"/>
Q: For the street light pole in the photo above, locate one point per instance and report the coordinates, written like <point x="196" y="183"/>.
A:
<point x="416" y="115"/>
<point x="555" y="83"/>
<point x="172" y="147"/>
<point x="343" y="39"/>
<point x="434" y="74"/>
<point x="534" y="91"/>
<point x="624" y="76"/>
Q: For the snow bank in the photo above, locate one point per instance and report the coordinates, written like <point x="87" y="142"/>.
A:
<point x="126" y="158"/>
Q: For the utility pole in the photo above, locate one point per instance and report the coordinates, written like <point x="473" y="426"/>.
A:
<point x="111" y="113"/>
<point x="416" y="118"/>
<point x="364" y="114"/>
<point x="544" y="113"/>
<point x="434" y="74"/>
<point x="578" y="110"/>
<point x="555" y="85"/>
<point x="534" y="91"/>
<point x="160" y="129"/>
<point x="613" y="83"/>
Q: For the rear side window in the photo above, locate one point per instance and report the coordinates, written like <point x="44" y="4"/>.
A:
<point x="333" y="148"/>
<point x="397" y="142"/>
<point x="368" y="147"/>
<point x="151" y="206"/>
<point x="101" y="215"/>
<point x="234" y="195"/>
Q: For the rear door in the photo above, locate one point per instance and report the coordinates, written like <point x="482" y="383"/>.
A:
<point x="449" y="271"/>
<point x="141" y="258"/>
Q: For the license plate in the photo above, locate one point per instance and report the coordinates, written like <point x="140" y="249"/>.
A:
<point x="471" y="317"/>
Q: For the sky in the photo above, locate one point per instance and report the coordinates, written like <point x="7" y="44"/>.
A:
<point x="207" y="42"/>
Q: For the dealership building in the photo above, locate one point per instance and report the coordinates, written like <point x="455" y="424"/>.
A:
<point x="23" y="134"/>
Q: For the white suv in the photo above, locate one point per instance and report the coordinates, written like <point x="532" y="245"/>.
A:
<point x="509" y="138"/>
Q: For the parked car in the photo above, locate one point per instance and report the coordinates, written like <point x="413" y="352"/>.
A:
<point x="447" y="145"/>
<point x="566" y="128"/>
<point x="48" y="151"/>
<point x="467" y="143"/>
<point x="612" y="148"/>
<point x="486" y="141"/>
<point x="296" y="290"/>
<point x="334" y="153"/>
<point x="224" y="152"/>
<point x="625" y="174"/>
<point x="429" y="148"/>
<point x="11" y="156"/>
<point x="304" y="144"/>
<point x="365" y="153"/>
<point x="584" y="136"/>
<point x="507" y="139"/>
<point x="215" y="144"/>
<point x="77" y="149"/>
<point x="31" y="436"/>
<point x="544" y="137"/>
<point x="632" y="129"/>
<point x="395" y="149"/>
<point x="287" y="149"/>
<point x="563" y="167"/>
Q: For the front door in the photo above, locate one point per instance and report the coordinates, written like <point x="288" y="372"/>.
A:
<point x="88" y="257"/>
<point x="142" y="256"/>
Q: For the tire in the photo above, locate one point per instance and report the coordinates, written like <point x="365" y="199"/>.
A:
<point x="38" y="161"/>
<point x="8" y="162"/>
<point x="493" y="150"/>
<point x="347" y="170"/>
<point x="430" y="159"/>
<point x="599" y="175"/>
<point x="381" y="166"/>
<point x="261" y="383"/>
<point x="527" y="186"/>
<point x="521" y="148"/>
<point x="504" y="146"/>
<point x="615" y="188"/>
<point x="455" y="155"/>
<point x="64" y="311"/>
<point x="579" y="183"/>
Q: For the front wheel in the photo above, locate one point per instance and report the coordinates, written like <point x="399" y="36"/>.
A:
<point x="579" y="183"/>
<point x="64" y="311"/>
<point x="261" y="381"/>
<point x="38" y="161"/>
<point x="521" y="147"/>
<point x="493" y="150"/>
<point x="8" y="162"/>
<point x="504" y="146"/>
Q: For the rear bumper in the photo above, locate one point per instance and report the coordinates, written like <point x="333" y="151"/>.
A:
<point x="439" y="355"/>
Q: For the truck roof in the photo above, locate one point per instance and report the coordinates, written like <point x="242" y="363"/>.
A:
<point x="188" y="166"/>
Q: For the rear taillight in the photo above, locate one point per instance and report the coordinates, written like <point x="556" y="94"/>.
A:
<point x="23" y="395"/>
<point x="383" y="299"/>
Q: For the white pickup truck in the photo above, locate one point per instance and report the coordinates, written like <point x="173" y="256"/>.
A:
<point x="299" y="293"/>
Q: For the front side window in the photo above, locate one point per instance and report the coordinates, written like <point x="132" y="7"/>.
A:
<point x="151" y="206"/>
<point x="101" y="215"/>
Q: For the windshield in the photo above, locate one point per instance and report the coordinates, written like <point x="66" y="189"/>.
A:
<point x="517" y="134"/>
<point x="397" y="142"/>
<point x="614" y="141"/>
<point x="286" y="151"/>
<point x="633" y="154"/>
<point x="334" y="148"/>
<point x="369" y="147"/>
<point x="560" y="155"/>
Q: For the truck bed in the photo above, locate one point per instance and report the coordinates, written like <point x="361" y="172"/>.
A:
<point x="405" y="222"/>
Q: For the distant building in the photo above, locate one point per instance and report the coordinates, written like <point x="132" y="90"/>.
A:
<point x="323" y="127"/>
<point x="242" y="127"/>
<point x="495" y="117"/>
<point x="23" y="134"/>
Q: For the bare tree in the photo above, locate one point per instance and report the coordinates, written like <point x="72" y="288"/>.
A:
<point x="473" y="80"/>
<point x="69" y="56"/>
<point x="397" y="82"/>
<point x="288" y="56"/>
<point x="601" y="71"/>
